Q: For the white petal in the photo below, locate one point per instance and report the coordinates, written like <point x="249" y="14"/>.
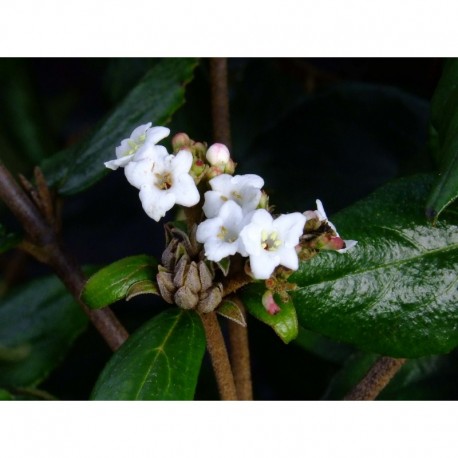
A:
<point x="140" y="173"/>
<point x="263" y="219"/>
<point x="320" y="209"/>
<point x="221" y="183"/>
<point x="149" y="151"/>
<point x="185" y="190"/>
<point x="139" y="131"/>
<point x="231" y="214"/>
<point x="156" y="202"/>
<point x="215" y="250"/>
<point x="263" y="266"/>
<point x="182" y="162"/>
<point x="208" y="229"/>
<point x="115" y="163"/>
<point x="249" y="179"/>
<point x="288" y="258"/>
<point x="213" y="203"/>
<point x="123" y="148"/>
<point x="156" y="134"/>
<point x="291" y="227"/>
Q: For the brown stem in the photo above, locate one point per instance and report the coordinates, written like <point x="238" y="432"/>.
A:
<point x="49" y="250"/>
<point x="376" y="379"/>
<point x="220" y="101"/>
<point x="218" y="355"/>
<point x="240" y="357"/>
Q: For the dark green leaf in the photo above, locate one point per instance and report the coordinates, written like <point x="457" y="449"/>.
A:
<point x="37" y="327"/>
<point x="160" y="361"/>
<point x="444" y="121"/>
<point x="323" y="347"/>
<point x="284" y="323"/>
<point x="5" y="395"/>
<point x="8" y="240"/>
<point x="396" y="292"/>
<point x="114" y="282"/>
<point x="158" y="95"/>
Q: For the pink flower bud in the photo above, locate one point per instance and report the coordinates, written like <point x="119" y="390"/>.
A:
<point x="269" y="303"/>
<point x="218" y="154"/>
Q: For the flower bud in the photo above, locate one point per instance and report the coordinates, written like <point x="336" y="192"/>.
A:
<point x="269" y="303"/>
<point x="199" y="149"/>
<point x="181" y="141"/>
<point x="198" y="169"/>
<point x="218" y="154"/>
<point x="230" y="167"/>
<point x="214" y="171"/>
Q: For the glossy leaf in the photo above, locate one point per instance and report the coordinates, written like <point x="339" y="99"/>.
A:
<point x="284" y="323"/>
<point x="335" y="352"/>
<point x="115" y="281"/>
<point x="159" y="361"/>
<point x="37" y="327"/>
<point x="157" y="96"/>
<point x="396" y="293"/>
<point x="8" y="240"/>
<point x="444" y="121"/>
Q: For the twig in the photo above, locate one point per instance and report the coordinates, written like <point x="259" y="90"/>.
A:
<point x="220" y="101"/>
<point x="219" y="358"/>
<point x="44" y="245"/>
<point x="240" y="357"/>
<point x="376" y="379"/>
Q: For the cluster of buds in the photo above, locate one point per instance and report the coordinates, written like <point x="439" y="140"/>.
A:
<point x="234" y="217"/>
<point x="207" y="162"/>
<point x="183" y="278"/>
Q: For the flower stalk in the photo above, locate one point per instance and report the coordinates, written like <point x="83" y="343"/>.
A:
<point x="376" y="379"/>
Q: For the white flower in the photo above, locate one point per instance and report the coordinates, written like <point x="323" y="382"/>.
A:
<point x="163" y="180"/>
<point x="245" y="190"/>
<point x="270" y="242"/>
<point x="349" y="244"/>
<point x="134" y="147"/>
<point x="220" y="235"/>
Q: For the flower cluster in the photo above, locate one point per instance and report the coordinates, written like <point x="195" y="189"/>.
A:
<point x="235" y="215"/>
<point x="236" y="225"/>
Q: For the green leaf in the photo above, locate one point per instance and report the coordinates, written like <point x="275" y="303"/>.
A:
<point x="396" y="292"/>
<point x="284" y="323"/>
<point x="158" y="95"/>
<point x="8" y="240"/>
<point x="38" y="324"/>
<point x="444" y="133"/>
<point x="323" y="347"/>
<point x="114" y="282"/>
<point x="5" y="395"/>
<point x="160" y="361"/>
